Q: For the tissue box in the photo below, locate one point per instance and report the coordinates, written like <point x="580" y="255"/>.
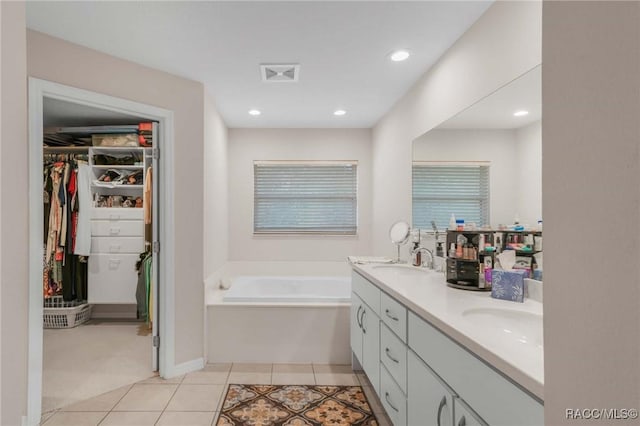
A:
<point x="508" y="285"/>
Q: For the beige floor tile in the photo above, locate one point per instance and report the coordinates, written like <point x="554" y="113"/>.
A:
<point x="292" y="368"/>
<point x="75" y="419"/>
<point x="203" y="377"/>
<point x="146" y="397"/>
<point x="160" y="380"/>
<point x="249" y="378"/>
<point x="104" y="402"/>
<point x="332" y="368"/>
<point x="251" y="368"/>
<point x="337" y="379"/>
<point x="132" y="418"/>
<point x="185" y="418"/>
<point x="293" y="379"/>
<point x="222" y="367"/>
<point x="196" y="398"/>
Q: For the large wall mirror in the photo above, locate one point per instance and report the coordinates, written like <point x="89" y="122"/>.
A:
<point x="484" y="165"/>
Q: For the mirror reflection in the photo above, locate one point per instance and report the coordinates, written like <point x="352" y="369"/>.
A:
<point x="484" y="165"/>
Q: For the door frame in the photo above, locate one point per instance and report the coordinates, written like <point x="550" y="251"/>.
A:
<point x="38" y="90"/>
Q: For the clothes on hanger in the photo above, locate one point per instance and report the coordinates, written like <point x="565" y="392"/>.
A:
<point x="144" y="290"/>
<point x="64" y="274"/>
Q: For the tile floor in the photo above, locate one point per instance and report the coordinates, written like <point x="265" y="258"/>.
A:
<point x="86" y="361"/>
<point x="194" y="399"/>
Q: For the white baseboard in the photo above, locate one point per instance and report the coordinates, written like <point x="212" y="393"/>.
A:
<point x="185" y="367"/>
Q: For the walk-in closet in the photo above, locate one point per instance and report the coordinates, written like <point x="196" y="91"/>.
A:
<point x="99" y="264"/>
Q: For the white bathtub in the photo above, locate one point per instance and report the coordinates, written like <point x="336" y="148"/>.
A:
<point x="284" y="289"/>
<point x="281" y="319"/>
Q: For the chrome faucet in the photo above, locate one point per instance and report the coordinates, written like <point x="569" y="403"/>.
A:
<point x="425" y="263"/>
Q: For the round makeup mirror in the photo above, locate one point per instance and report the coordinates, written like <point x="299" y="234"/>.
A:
<point x="399" y="234"/>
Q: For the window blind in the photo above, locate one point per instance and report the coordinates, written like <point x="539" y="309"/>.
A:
<point x="440" y="190"/>
<point x="305" y="197"/>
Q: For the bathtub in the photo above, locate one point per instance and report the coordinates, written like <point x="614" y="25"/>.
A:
<point x="301" y="290"/>
<point x="280" y="319"/>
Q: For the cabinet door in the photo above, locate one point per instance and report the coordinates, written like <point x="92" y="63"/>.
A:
<point x="429" y="402"/>
<point x="464" y="416"/>
<point x="356" y="329"/>
<point x="371" y="346"/>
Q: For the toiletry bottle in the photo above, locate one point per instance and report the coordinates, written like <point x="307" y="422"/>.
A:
<point x="460" y="224"/>
<point x="452" y="251"/>
<point x="481" y="243"/>
<point x="417" y="255"/>
<point x="452" y="222"/>
<point x="439" y="249"/>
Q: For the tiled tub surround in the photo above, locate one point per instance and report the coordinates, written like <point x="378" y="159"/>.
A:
<point x="300" y="327"/>
<point x="459" y="344"/>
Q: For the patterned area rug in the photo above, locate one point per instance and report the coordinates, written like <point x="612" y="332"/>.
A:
<point x="295" y="405"/>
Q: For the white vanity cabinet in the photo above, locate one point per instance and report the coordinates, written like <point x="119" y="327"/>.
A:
<point x="430" y="402"/>
<point x="422" y="376"/>
<point x="365" y="327"/>
<point x="464" y="416"/>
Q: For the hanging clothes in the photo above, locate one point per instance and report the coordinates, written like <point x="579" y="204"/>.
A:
<point x="83" y="230"/>
<point x="64" y="274"/>
<point x="144" y="289"/>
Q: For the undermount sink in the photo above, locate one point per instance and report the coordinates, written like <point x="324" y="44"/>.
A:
<point x="521" y="327"/>
<point x="403" y="269"/>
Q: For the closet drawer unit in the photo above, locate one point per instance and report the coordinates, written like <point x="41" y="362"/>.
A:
<point x="112" y="278"/>
<point x="117" y="213"/>
<point x="392" y="398"/>
<point x="129" y="245"/>
<point x="117" y="228"/>
<point x="394" y="315"/>
<point x="393" y="354"/>
<point x="495" y="398"/>
<point x="369" y="293"/>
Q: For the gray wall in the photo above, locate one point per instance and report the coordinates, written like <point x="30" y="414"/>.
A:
<point x="13" y="213"/>
<point x="501" y="46"/>
<point x="591" y="176"/>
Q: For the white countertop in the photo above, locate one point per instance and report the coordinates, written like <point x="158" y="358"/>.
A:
<point x="494" y="340"/>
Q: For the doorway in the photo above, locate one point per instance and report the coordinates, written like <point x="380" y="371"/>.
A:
<point x="42" y="95"/>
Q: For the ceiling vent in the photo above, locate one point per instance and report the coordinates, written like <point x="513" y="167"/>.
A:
<point x="279" y="73"/>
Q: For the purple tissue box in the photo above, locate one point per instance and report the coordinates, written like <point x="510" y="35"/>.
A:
<point x="508" y="285"/>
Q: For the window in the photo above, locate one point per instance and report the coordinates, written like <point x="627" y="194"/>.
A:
<point x="314" y="197"/>
<point x="440" y="189"/>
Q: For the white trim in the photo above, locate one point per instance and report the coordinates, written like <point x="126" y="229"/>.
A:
<point x="185" y="367"/>
<point x="39" y="89"/>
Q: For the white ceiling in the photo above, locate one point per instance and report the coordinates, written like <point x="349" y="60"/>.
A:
<point x="496" y="110"/>
<point x="342" y="49"/>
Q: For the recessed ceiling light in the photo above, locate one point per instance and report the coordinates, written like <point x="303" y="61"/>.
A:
<point x="399" y="55"/>
<point x="520" y="113"/>
<point x="254" y="112"/>
<point x="339" y="112"/>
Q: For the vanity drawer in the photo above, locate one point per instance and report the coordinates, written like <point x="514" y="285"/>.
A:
<point x="114" y="213"/>
<point x="112" y="278"/>
<point x="132" y="245"/>
<point x="392" y="398"/>
<point x="496" y="399"/>
<point x="369" y="293"/>
<point x="393" y="354"/>
<point x="114" y="228"/>
<point x="394" y="315"/>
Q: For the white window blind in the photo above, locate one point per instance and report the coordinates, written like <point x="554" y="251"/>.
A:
<point x="442" y="189"/>
<point x="305" y="197"/>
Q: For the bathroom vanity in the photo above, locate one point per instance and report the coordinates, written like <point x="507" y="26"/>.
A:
<point x="436" y="355"/>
